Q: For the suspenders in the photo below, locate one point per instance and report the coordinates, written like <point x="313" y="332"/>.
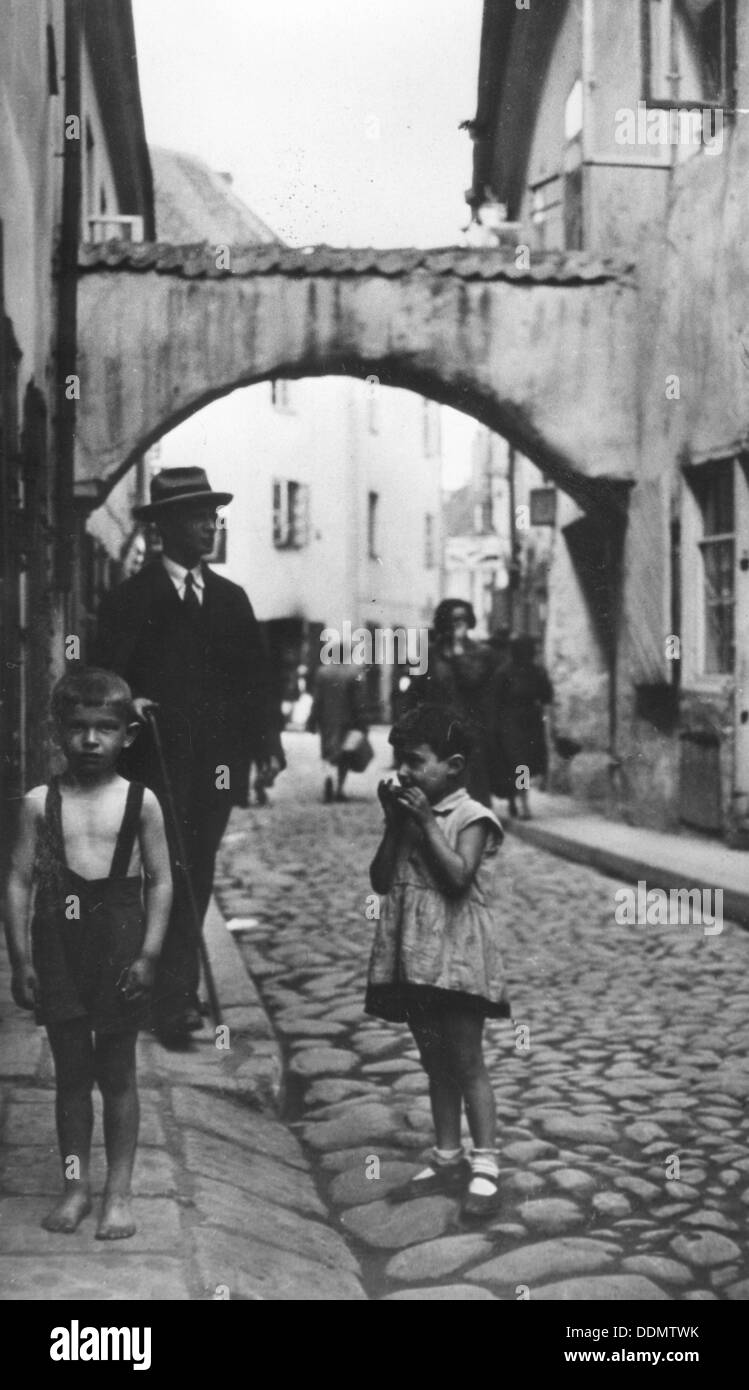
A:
<point x="126" y="835"/>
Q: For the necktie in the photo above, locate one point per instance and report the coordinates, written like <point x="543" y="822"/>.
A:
<point x="191" y="600"/>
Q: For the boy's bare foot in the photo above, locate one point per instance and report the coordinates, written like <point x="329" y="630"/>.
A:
<point x="116" y="1220"/>
<point x="67" y="1214"/>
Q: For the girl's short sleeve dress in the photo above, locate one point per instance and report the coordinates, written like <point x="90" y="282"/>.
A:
<point x="430" y="949"/>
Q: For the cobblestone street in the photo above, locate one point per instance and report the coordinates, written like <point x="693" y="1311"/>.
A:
<point x="625" y="1167"/>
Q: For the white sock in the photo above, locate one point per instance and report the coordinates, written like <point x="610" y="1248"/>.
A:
<point x="441" y="1158"/>
<point x="484" y="1173"/>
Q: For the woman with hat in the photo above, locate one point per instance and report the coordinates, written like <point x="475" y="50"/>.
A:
<point x="459" y="675"/>
<point x="187" y="642"/>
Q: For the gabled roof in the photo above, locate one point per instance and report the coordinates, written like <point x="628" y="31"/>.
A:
<point x="109" y="36"/>
<point x="516" y="49"/>
<point x="195" y="204"/>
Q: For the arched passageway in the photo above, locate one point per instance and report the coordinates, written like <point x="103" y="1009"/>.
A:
<point x="542" y="355"/>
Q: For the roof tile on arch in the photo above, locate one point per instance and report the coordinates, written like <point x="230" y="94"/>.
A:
<point x="199" y="260"/>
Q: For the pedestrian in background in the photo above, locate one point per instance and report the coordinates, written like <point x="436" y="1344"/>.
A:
<point x="265" y="770"/>
<point x="435" y="961"/>
<point x="339" y="709"/>
<point x="499" y="644"/>
<point x="520" y="691"/>
<point x="459" y="675"/>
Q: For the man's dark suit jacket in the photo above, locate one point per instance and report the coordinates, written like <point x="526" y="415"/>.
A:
<point x="210" y="677"/>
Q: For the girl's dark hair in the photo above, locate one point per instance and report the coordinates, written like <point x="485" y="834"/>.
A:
<point x="442" y="729"/>
<point x="88" y="685"/>
<point x="444" y="611"/>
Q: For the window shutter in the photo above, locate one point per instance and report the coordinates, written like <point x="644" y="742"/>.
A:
<point x="278" y="521"/>
<point x="647" y="596"/>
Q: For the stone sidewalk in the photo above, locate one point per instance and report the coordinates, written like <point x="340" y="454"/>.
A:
<point x="564" y="827"/>
<point x="224" y="1199"/>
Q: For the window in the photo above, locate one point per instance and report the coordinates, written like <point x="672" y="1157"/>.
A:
<point x="546" y="205"/>
<point x="90" y="170"/>
<point x="53" y="86"/>
<point x="573" y="111"/>
<point x="106" y="225"/>
<point x="281" y="397"/>
<point x="573" y="197"/>
<point x="573" y="168"/>
<point x="688" y="52"/>
<point x="11" y="482"/>
<point x="431" y="429"/>
<point x="429" y="550"/>
<point x="716" y="40"/>
<point x="290" y="514"/>
<point x="715" y="495"/>
<point x="373" y="405"/>
<point x="373" y="506"/>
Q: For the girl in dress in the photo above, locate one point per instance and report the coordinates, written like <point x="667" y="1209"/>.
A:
<point x="435" y="960"/>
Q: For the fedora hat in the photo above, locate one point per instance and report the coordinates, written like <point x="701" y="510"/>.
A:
<point x="173" y="487"/>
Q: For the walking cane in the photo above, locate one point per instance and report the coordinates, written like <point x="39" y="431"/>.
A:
<point x="173" y="820"/>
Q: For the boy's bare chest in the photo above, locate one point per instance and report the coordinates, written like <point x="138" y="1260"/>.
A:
<point x="90" y="828"/>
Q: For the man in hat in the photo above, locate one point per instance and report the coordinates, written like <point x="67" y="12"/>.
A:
<point x="187" y="642"/>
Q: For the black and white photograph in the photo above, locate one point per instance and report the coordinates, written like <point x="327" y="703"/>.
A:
<point x="374" y="662"/>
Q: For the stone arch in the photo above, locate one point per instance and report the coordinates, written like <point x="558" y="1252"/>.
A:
<point x="545" y="357"/>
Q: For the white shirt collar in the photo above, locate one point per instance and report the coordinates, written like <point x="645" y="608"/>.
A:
<point x="177" y="573"/>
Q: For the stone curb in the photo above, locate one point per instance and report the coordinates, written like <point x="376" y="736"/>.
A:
<point x="621" y="865"/>
<point x="239" y="1001"/>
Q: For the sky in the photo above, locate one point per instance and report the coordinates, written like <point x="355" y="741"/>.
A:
<point x="337" y="118"/>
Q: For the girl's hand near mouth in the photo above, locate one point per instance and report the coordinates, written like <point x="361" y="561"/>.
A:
<point x="416" y="804"/>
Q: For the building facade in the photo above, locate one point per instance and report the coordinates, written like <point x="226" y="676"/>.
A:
<point x="336" y="519"/>
<point x="71" y="145"/>
<point x="618" y="127"/>
<point x="500" y="531"/>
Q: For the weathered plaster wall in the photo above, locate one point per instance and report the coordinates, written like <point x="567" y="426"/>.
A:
<point x="533" y="360"/>
<point x="30" y="189"/>
<point x="30" y="199"/>
<point x="695" y="314"/>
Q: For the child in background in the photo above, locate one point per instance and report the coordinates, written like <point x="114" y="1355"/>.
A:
<point x="435" y="960"/>
<point x="83" y="843"/>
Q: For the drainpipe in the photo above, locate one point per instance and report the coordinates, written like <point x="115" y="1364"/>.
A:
<point x="514" y="558"/>
<point x="588" y="75"/>
<point x="67" y="291"/>
<point x="589" y="86"/>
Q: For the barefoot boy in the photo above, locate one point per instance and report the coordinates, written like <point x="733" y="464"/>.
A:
<point x="83" y="843"/>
